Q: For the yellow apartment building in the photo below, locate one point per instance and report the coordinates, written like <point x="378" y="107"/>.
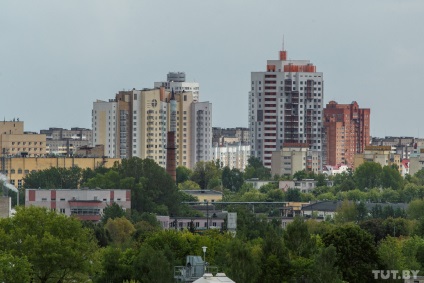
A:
<point x="15" y="142"/>
<point x="15" y="168"/>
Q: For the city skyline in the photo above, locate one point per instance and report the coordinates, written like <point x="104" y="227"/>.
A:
<point x="60" y="57"/>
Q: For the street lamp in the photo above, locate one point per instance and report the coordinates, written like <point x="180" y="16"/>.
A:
<point x="204" y="253"/>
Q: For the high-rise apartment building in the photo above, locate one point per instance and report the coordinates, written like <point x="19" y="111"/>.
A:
<point x="136" y="123"/>
<point x="177" y="81"/>
<point x="285" y="106"/>
<point x="347" y="132"/>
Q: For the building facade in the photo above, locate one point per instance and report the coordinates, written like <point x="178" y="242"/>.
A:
<point x="16" y="168"/>
<point x="347" y="132"/>
<point x="177" y="81"/>
<point x="293" y="158"/>
<point x="378" y="154"/>
<point x="61" y="141"/>
<point x="83" y="204"/>
<point x="285" y="106"/>
<point x="222" y="136"/>
<point x="15" y="142"/>
<point x="135" y="124"/>
<point x="233" y="155"/>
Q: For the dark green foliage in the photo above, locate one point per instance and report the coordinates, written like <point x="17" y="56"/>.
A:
<point x="297" y="238"/>
<point x="275" y="260"/>
<point x="391" y="178"/>
<point x="324" y="268"/>
<point x="375" y="228"/>
<point x="151" y="265"/>
<point x="345" y="181"/>
<point x="255" y="169"/>
<point x="356" y="253"/>
<point x="293" y="195"/>
<point x="14" y="269"/>
<point x="183" y="174"/>
<point x="240" y="265"/>
<point x="152" y="189"/>
<point x="57" y="247"/>
<point x="300" y="175"/>
<point x="112" y="211"/>
<point x="53" y="178"/>
<point x="101" y="234"/>
<point x="232" y="179"/>
<point x="368" y="176"/>
<point x="206" y="173"/>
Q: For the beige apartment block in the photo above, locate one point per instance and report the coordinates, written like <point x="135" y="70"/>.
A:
<point x="294" y="157"/>
<point x="15" y="168"/>
<point x="136" y="122"/>
<point x="379" y="154"/>
<point x="15" y="142"/>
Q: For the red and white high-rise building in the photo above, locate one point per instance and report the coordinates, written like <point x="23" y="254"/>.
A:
<point x="285" y="107"/>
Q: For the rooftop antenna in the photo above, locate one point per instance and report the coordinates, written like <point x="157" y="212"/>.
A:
<point x="283" y="43"/>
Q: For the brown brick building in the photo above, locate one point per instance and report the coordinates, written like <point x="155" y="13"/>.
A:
<point x="347" y="131"/>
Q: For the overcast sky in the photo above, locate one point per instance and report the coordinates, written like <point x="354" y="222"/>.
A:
<point x="58" y="57"/>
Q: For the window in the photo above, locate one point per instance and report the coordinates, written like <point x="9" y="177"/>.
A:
<point x="62" y="210"/>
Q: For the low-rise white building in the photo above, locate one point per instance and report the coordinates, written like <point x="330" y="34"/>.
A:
<point x="83" y="204"/>
<point x="234" y="155"/>
<point x="333" y="170"/>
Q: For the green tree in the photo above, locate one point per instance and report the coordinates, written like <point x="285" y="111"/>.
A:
<point x="56" y="246"/>
<point x="152" y="189"/>
<point x="419" y="177"/>
<point x="183" y="174"/>
<point x="356" y="253"/>
<point x="391" y="178"/>
<point x="390" y="253"/>
<point x="300" y="175"/>
<point x="344" y="181"/>
<point x="241" y="265"/>
<point x="204" y="172"/>
<point x="375" y="228"/>
<point x="112" y="211"/>
<point x="151" y="265"/>
<point x="232" y="179"/>
<point x="188" y="185"/>
<point x="297" y="238"/>
<point x="321" y="180"/>
<point x="324" y="268"/>
<point x="368" y="176"/>
<point x="108" y="180"/>
<point x="255" y="169"/>
<point x="115" y="265"/>
<point x="54" y="178"/>
<point x="120" y="229"/>
<point x="275" y="260"/>
<point x="347" y="212"/>
<point x="14" y="269"/>
<point x="416" y="209"/>
<point x="293" y="195"/>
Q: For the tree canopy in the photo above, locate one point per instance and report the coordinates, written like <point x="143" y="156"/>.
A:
<point x="57" y="247"/>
